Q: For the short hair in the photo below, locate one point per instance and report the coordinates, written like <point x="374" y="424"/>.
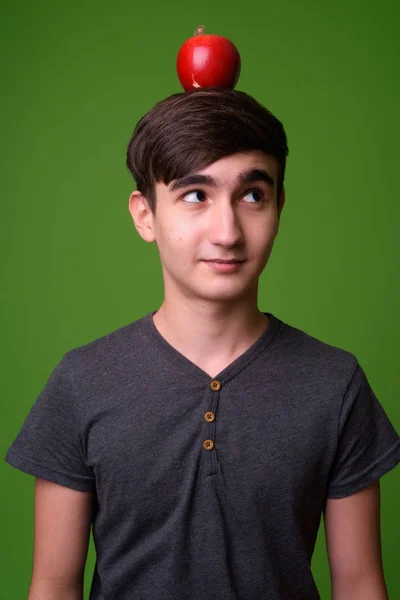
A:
<point x="190" y="130"/>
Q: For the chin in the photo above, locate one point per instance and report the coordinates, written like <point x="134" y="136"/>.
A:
<point x="221" y="293"/>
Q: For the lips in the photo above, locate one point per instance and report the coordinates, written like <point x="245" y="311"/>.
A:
<point x="224" y="262"/>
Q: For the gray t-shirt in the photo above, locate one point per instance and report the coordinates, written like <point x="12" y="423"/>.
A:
<point x="207" y="488"/>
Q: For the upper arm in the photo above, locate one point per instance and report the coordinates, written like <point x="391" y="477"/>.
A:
<point x="353" y="537"/>
<point x="62" y="530"/>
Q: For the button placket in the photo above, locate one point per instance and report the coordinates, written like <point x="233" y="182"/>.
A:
<point x="209" y="444"/>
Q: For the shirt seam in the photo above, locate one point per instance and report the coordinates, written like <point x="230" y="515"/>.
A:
<point x="52" y="469"/>
<point x="71" y="381"/>
<point x="257" y="354"/>
<point x="370" y="468"/>
<point x="343" y="402"/>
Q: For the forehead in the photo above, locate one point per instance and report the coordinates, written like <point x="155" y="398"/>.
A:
<point x="231" y="170"/>
<point x="229" y="166"/>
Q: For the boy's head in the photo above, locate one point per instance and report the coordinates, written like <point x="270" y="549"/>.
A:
<point x="209" y="166"/>
<point x="188" y="131"/>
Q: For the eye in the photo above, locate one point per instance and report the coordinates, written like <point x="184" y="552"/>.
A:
<point x="194" y="196"/>
<point x="258" y="195"/>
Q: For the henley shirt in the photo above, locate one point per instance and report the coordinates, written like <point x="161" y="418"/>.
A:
<point x="206" y="487"/>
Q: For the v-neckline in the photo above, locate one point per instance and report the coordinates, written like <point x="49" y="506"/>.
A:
<point x="230" y="370"/>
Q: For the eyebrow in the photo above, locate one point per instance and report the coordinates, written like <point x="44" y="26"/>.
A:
<point x="249" y="176"/>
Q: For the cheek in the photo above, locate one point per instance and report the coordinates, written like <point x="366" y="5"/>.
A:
<point x="178" y="235"/>
<point x="176" y="239"/>
<point x="262" y="238"/>
<point x="173" y="240"/>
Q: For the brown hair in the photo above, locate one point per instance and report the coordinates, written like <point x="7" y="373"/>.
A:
<point x="188" y="131"/>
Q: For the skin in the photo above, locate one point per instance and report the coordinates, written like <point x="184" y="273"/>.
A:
<point x="353" y="543"/>
<point x="208" y="316"/>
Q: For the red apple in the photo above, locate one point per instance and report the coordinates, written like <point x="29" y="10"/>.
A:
<point x="206" y="60"/>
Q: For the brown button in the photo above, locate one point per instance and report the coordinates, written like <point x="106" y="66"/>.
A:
<point x="209" y="416"/>
<point x="215" y="385"/>
<point x="208" y="444"/>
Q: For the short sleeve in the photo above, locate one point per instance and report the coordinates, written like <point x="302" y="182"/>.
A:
<point x="48" y="444"/>
<point x="368" y="444"/>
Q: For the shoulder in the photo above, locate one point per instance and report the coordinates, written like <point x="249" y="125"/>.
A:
<point x="309" y="357"/>
<point x="107" y="355"/>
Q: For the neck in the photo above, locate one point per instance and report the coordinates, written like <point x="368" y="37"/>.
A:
<point x="208" y="332"/>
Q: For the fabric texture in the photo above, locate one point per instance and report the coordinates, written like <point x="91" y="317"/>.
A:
<point x="295" y="422"/>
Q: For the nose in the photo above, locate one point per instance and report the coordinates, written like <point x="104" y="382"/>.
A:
<point x="224" y="226"/>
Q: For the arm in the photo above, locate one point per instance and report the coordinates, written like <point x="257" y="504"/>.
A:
<point x="353" y="542"/>
<point x="62" y="529"/>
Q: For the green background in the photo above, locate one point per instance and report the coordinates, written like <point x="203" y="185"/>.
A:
<point x="76" y="77"/>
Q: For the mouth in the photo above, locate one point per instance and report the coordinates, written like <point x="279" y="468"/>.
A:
<point x="224" y="266"/>
<point x="224" y="262"/>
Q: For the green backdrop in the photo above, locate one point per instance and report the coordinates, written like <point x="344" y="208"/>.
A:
<point x="76" y="77"/>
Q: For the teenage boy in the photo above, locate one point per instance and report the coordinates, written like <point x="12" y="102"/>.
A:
<point x="204" y="441"/>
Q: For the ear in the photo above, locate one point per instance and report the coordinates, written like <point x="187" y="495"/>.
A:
<point x="142" y="216"/>
<point x="281" y="201"/>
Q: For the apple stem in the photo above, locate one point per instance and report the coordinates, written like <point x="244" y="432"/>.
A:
<point x="199" y="30"/>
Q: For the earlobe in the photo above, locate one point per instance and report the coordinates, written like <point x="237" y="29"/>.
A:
<point x="142" y="216"/>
